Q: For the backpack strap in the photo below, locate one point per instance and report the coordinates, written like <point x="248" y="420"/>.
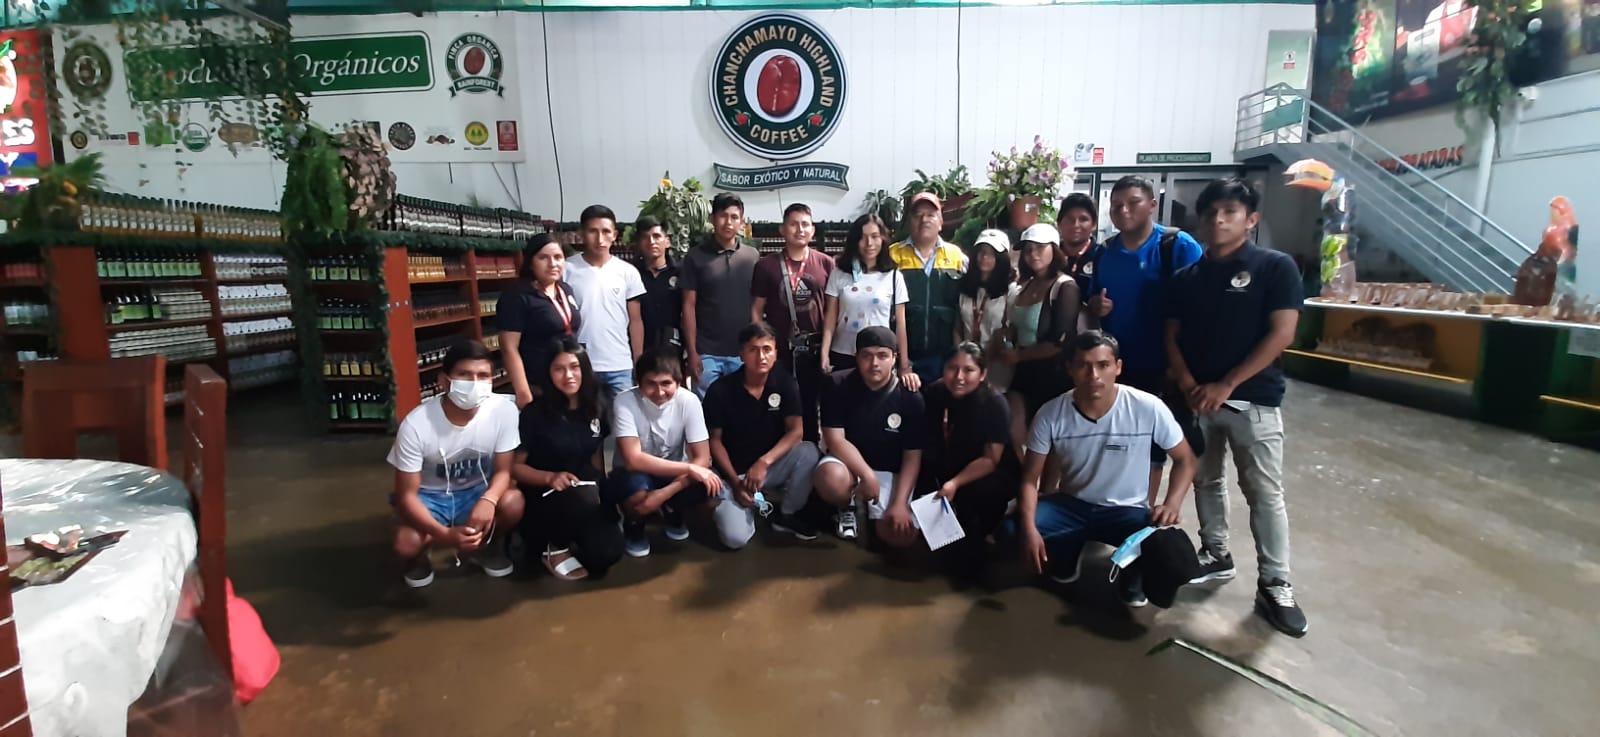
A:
<point x="1169" y="247"/>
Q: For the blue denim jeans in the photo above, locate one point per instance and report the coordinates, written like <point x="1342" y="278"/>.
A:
<point x="713" y="368"/>
<point x="625" y="484"/>
<point x="613" y="383"/>
<point x="1067" y="522"/>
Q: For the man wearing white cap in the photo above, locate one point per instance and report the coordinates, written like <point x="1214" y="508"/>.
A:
<point x="932" y="268"/>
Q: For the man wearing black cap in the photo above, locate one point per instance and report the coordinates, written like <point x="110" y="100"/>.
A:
<point x="872" y="426"/>
<point x="1101" y="433"/>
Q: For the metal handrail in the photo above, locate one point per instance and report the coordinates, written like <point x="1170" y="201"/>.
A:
<point x="1282" y="90"/>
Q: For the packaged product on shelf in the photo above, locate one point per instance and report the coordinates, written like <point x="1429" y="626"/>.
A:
<point x="254" y="299"/>
<point x="249" y="266"/>
<point x="27" y="313"/>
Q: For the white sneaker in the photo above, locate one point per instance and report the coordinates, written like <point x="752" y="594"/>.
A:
<point x="844" y="524"/>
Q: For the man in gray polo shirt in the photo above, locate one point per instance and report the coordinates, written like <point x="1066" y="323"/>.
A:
<point x="716" y="279"/>
<point x="1101" y="432"/>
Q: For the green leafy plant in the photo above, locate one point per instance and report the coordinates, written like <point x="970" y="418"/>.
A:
<point x="684" y="211"/>
<point x="947" y="186"/>
<point x="56" y="201"/>
<point x="886" y="206"/>
<point x="1036" y="172"/>
<point x="1485" y="83"/>
<point x="315" y="195"/>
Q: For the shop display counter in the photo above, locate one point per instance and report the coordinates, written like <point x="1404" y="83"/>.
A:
<point x="1529" y="373"/>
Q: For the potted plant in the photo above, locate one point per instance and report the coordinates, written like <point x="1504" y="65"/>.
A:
<point x="953" y="188"/>
<point x="683" y="210"/>
<point x="886" y="206"/>
<point x="1028" y="179"/>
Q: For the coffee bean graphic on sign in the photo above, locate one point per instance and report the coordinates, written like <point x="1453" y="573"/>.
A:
<point x="778" y="87"/>
<point x="473" y="61"/>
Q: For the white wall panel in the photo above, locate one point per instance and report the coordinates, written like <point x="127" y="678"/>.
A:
<point x="630" y="92"/>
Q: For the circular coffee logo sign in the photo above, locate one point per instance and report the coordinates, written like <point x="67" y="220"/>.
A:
<point x="474" y="64"/>
<point x="87" y="70"/>
<point x="778" y="85"/>
<point x="402" y="136"/>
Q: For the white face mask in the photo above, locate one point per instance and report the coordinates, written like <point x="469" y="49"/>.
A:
<point x="468" y="394"/>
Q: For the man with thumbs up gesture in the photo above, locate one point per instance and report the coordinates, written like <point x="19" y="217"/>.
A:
<point x="1128" y="283"/>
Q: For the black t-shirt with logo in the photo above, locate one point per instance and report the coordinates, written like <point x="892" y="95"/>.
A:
<point x="662" y="305"/>
<point x="751" y="425"/>
<point x="562" y="441"/>
<point x="959" y="430"/>
<point x="524" y="309"/>
<point x="1224" y="310"/>
<point x="882" y="424"/>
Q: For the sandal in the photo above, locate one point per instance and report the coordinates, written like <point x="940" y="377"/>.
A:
<point x="564" y="565"/>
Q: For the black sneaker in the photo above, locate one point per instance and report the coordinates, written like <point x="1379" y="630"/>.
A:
<point x="635" y="541"/>
<point x="1213" y="567"/>
<point x="1275" y="603"/>
<point x="794" y="525"/>
<point x="419" y="572"/>
<point x="1131" y="591"/>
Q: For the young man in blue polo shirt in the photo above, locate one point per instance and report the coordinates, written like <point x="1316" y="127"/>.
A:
<point x="1128" y="281"/>
<point x="1229" y="317"/>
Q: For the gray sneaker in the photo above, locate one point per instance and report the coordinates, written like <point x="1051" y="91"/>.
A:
<point x="419" y="572"/>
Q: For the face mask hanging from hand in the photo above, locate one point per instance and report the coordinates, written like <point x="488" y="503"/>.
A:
<point x="468" y="394"/>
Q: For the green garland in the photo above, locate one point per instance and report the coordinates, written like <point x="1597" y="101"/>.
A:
<point x="403" y="239"/>
<point x="1485" y="82"/>
<point x="64" y="238"/>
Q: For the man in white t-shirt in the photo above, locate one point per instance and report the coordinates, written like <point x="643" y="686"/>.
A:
<point x="663" y="452"/>
<point x="1101" y="432"/>
<point x="452" y="469"/>
<point x="608" y="291"/>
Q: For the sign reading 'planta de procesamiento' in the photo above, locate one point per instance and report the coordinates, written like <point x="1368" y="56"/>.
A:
<point x="778" y="86"/>
<point x="328" y="65"/>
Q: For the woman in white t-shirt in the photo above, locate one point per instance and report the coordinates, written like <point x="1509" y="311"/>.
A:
<point x="988" y="292"/>
<point x="860" y="291"/>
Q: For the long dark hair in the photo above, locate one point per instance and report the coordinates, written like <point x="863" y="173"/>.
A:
<point x="999" y="279"/>
<point x="535" y="245"/>
<point x="852" y="246"/>
<point x="551" y="401"/>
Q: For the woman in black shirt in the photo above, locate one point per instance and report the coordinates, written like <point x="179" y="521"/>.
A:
<point x="558" y="468"/>
<point x="534" y="313"/>
<point x="965" y="459"/>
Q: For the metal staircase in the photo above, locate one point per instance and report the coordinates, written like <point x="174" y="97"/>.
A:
<point x="1407" y="213"/>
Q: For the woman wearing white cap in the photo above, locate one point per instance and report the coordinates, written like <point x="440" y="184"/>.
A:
<point x="1043" y="317"/>
<point x="988" y="290"/>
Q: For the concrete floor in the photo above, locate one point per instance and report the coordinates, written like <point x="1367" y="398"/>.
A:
<point x="1451" y="573"/>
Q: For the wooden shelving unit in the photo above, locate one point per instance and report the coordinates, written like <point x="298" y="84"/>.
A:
<point x="402" y="306"/>
<point x="81" y="296"/>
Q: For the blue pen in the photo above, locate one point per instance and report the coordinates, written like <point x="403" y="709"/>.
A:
<point x="946" y="503"/>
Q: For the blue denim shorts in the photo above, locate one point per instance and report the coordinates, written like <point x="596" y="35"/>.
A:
<point x="450" y="508"/>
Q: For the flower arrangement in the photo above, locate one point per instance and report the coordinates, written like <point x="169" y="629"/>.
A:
<point x="1036" y="172"/>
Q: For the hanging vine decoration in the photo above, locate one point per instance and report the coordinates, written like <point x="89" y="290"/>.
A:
<point x="1485" y="84"/>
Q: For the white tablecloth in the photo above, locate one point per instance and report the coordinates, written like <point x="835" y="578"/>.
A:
<point x="90" y="643"/>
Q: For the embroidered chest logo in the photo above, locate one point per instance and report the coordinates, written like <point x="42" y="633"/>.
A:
<point x="894" y="421"/>
<point x="773" y="400"/>
<point x="594" y="426"/>
<point x="1241" y="280"/>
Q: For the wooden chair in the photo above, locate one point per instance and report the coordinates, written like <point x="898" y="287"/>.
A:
<point x="126" y="396"/>
<point x="205" y="442"/>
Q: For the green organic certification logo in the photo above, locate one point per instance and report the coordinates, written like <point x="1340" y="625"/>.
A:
<point x="477" y="133"/>
<point x="87" y="70"/>
<point x="474" y="64"/>
<point x="195" y="137"/>
<point x="778" y="86"/>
